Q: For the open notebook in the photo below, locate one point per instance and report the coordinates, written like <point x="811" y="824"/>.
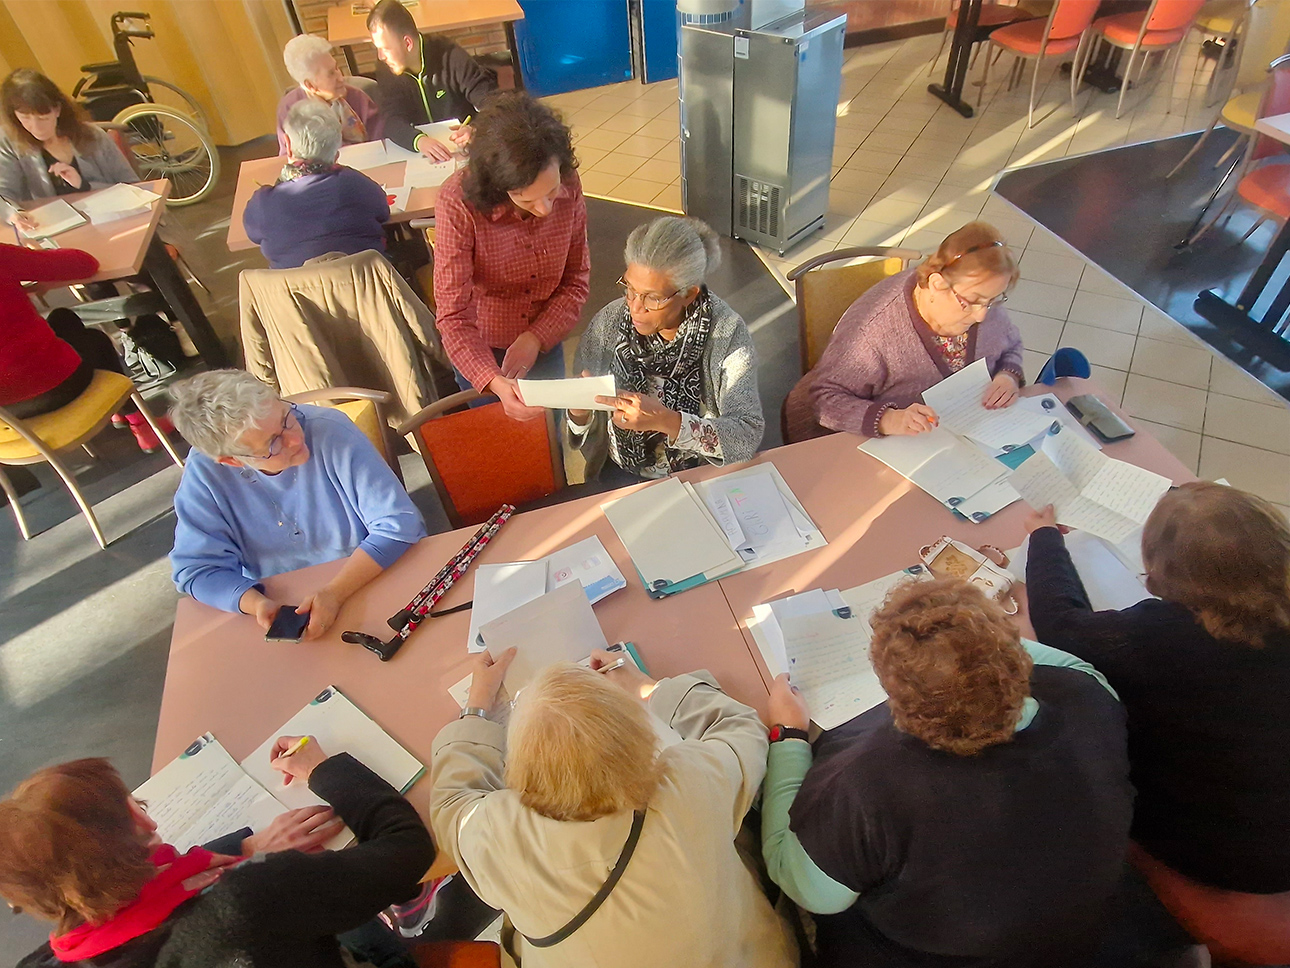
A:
<point x="204" y="793"/>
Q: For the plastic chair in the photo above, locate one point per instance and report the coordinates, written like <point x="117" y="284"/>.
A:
<point x="1065" y="32"/>
<point x="458" y="954"/>
<point x="366" y="408"/>
<point x="1162" y="27"/>
<point x="480" y="458"/>
<point x="993" y="16"/>
<point x="41" y="438"/>
<point x="1222" y="20"/>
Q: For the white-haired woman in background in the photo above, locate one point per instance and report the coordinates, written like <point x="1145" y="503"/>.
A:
<point x="317" y="206"/>
<point x="312" y="65"/>
<point x="682" y="361"/>
<point x="538" y="813"/>
<point x="270" y="487"/>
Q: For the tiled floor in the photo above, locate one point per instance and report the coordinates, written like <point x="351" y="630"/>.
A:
<point x="908" y="170"/>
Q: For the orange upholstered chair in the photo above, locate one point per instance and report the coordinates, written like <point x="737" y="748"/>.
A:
<point x="480" y="458"/>
<point x="992" y="15"/>
<point x="1160" y="28"/>
<point x="458" y="954"/>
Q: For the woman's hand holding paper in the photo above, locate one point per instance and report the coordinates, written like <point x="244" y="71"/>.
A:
<point x="639" y="411"/>
<point x="787" y="707"/>
<point x="1002" y="391"/>
<point x="486" y="678"/>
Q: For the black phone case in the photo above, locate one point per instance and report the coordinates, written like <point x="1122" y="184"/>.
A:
<point x="1099" y="418"/>
<point x="285" y="623"/>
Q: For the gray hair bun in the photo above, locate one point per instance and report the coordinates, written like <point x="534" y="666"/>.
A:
<point x="686" y="250"/>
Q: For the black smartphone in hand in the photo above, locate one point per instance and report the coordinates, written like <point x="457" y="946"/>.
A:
<point x="287" y="625"/>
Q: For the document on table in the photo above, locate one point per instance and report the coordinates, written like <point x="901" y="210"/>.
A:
<point x="1107" y="580"/>
<point x="942" y="464"/>
<point x="828" y="661"/>
<point x="760" y="516"/>
<point x="957" y="402"/>
<point x="52" y="218"/>
<point x="1090" y="491"/>
<point x="116" y="202"/>
<point x="422" y="172"/>
<point x="441" y="131"/>
<point x="578" y="393"/>
<point x="398" y="198"/>
<point x="363" y="156"/>
<point x="587" y="562"/>
<point x="1051" y="408"/>
<point x="557" y="627"/>
<point x="203" y="794"/>
<point x="864" y="600"/>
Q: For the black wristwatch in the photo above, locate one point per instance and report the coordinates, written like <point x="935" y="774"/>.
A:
<point x="778" y="733"/>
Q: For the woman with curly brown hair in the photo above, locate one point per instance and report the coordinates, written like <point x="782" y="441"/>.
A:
<point x="979" y="816"/>
<point x="1204" y="670"/>
<point x="511" y="266"/>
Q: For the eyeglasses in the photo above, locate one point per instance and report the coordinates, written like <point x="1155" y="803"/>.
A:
<point x="278" y="440"/>
<point x="973" y="305"/>
<point x="652" y="301"/>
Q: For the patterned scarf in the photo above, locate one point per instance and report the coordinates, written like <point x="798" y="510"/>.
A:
<point x="305" y="166"/>
<point x="679" y="363"/>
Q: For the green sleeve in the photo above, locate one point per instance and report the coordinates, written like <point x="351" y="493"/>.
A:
<point x="786" y="859"/>
<point x="1048" y="656"/>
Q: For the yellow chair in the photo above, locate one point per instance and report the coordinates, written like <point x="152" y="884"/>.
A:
<point x="41" y="438"/>
<point x="366" y="408"/>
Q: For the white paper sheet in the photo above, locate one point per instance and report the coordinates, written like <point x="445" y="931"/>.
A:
<point x="864" y="599"/>
<point x="752" y="507"/>
<point x="945" y="466"/>
<point x="588" y="562"/>
<point x="558" y="627"/>
<point x="52" y="218"/>
<point x="1107" y="580"/>
<point x="828" y="659"/>
<point x="991" y="499"/>
<point x="786" y="545"/>
<point x="116" y="202"/>
<point x="398" y="198"/>
<point x="441" y="130"/>
<point x="1049" y="406"/>
<point x="363" y="156"/>
<point x="578" y="393"/>
<point x="500" y="589"/>
<point x="421" y="172"/>
<point x="957" y="402"/>
<point x="203" y="794"/>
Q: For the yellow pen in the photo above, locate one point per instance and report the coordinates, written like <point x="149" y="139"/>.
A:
<point x="295" y="747"/>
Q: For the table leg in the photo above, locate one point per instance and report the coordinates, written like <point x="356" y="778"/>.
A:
<point x="515" y="55"/>
<point x="1276" y="252"/>
<point x="1218" y="310"/>
<point x="172" y="285"/>
<point x="951" y="91"/>
<point x="350" y="60"/>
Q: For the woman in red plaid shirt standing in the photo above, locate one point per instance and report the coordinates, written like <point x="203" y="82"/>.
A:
<point x="511" y="263"/>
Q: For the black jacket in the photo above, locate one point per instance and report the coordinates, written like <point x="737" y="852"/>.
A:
<point x="284" y="910"/>
<point x="451" y="85"/>
<point x="1209" y="725"/>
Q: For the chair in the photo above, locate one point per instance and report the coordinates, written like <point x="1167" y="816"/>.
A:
<point x="36" y="439"/>
<point x="1162" y="27"/>
<point x="823" y="295"/>
<point x="1222" y="20"/>
<point x="366" y="408"/>
<point x="458" y="954"/>
<point x="480" y="458"/>
<point x="993" y="16"/>
<point x="1065" y="32"/>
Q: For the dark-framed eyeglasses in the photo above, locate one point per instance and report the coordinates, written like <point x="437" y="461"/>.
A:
<point x="277" y="441"/>
<point x="651" y="301"/>
<point x="972" y="305"/>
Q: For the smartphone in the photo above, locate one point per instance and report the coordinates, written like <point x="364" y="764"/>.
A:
<point x="287" y="625"/>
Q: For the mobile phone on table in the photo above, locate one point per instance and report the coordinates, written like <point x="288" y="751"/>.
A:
<point x="287" y="625"/>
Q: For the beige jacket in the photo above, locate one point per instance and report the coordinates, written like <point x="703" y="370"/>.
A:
<point x="686" y="898"/>
<point x="340" y="320"/>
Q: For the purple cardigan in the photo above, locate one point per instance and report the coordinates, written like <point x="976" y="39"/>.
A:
<point x="363" y="106"/>
<point x="883" y="355"/>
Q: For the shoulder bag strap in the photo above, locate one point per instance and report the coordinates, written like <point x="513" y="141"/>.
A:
<point x="579" y="919"/>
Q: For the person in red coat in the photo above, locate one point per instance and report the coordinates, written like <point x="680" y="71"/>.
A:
<point x="45" y="364"/>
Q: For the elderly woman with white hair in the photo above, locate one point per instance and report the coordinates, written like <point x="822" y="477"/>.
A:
<point x="272" y="486"/>
<point x="600" y="848"/>
<point x="682" y="361"/>
<point x="312" y="65"/>
<point x="316" y="206"/>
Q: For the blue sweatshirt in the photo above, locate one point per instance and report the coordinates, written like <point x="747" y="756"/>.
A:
<point x="335" y="211"/>
<point x="237" y="525"/>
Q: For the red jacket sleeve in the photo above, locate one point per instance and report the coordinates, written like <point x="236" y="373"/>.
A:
<point x="20" y="264"/>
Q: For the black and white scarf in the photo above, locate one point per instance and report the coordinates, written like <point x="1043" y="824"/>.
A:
<point x="305" y="166"/>
<point x="679" y="362"/>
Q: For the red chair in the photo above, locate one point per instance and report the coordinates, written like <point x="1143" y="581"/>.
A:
<point x="993" y="16"/>
<point x="1162" y="27"/>
<point x="1064" y="32"/>
<point x="458" y="954"/>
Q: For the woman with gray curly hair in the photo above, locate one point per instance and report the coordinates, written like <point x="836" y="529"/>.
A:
<point x="682" y="361"/>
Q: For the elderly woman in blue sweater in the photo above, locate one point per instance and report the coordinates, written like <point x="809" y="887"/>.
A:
<point x="273" y="486"/>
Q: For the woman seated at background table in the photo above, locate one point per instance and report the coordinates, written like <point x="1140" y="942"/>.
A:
<point x="312" y="65"/>
<point x="76" y="849"/>
<point x="979" y="816"/>
<point x="908" y="333"/>
<point x="682" y="361"/>
<point x="46" y="149"/>
<point x="538" y="812"/>
<point x="270" y="487"/>
<point x="316" y="206"/>
<point x="1204" y="671"/>
<point x="511" y="267"/>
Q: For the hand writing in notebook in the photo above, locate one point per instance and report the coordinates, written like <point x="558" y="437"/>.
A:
<point x="917" y="418"/>
<point x="627" y="676"/>
<point x="787" y="706"/>
<point x="298" y="765"/>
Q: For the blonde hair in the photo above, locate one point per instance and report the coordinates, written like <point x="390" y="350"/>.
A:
<point x="580" y="748"/>
<point x="1223" y="554"/>
<point x="977" y="249"/>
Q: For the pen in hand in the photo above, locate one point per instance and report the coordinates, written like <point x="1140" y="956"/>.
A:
<point x="296" y="747"/>
<point x="616" y="664"/>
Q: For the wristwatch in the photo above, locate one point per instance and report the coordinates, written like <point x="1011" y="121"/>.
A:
<point x="474" y="711"/>
<point x="778" y="733"/>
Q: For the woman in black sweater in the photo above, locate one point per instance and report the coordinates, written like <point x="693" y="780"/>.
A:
<point x="78" y="850"/>
<point x="1204" y="672"/>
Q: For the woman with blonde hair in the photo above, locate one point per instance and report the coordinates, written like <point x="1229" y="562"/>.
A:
<point x="1204" y="670"/>
<point x="978" y="817"/>
<point x="601" y="849"/>
<point x="909" y="332"/>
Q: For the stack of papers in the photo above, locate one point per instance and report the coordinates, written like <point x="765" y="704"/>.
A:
<point x="578" y="393"/>
<point x="368" y="154"/>
<point x="948" y="468"/>
<point x="1111" y="582"/>
<point x="52" y="218"/>
<point x="681" y="535"/>
<point x="116" y="202"/>
<point x="1089" y="491"/>
<point x="957" y="402"/>
<point x="557" y="627"/>
<point x="500" y="589"/>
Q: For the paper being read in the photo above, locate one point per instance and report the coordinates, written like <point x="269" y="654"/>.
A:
<point x="945" y="466"/>
<point x="578" y="393"/>
<point x="828" y="661"/>
<point x="559" y="626"/>
<point x="957" y="402"/>
<point x="116" y="202"/>
<point x="1108" y="582"/>
<point x="364" y="156"/>
<point x="500" y="589"/>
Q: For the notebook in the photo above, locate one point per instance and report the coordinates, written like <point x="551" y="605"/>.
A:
<point x="957" y="402"/>
<point x="52" y="218"/>
<point x="116" y="202"/>
<point x="947" y="467"/>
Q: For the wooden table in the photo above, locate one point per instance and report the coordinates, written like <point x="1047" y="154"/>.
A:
<point x="344" y="27"/>
<point x="259" y="172"/>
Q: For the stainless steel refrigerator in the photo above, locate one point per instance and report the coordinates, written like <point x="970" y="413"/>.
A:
<point x="758" y="112"/>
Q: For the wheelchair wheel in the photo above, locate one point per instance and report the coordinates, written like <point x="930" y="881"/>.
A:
<point x="175" y="98"/>
<point x="167" y="143"/>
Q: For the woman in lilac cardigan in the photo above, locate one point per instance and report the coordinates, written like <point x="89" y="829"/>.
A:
<point x="908" y="333"/>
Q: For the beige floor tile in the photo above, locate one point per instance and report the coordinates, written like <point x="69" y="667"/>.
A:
<point x="599" y="182"/>
<point x="638" y="190"/>
<point x="907" y="189"/>
<point x="899" y="123"/>
<point x="614" y="163"/>
<point x="848" y="203"/>
<point x="1183" y="444"/>
<point x="1032" y="361"/>
<point x="1096" y="279"/>
<point x="897" y="143"/>
<point x="922" y="166"/>
<point x="836" y="225"/>
<point x="1106" y="312"/>
<point x="1111" y="381"/>
<point x="1167" y="403"/>
<point x="1174" y="362"/>
<point x="626" y="123"/>
<point x="1156" y="325"/>
<point x="589" y="118"/>
<point x="660" y="169"/>
<point x="1231" y="380"/>
<point x="669" y="198"/>
<point x="893" y="211"/>
<point x="857" y="182"/>
<point x="866" y="159"/>
<point x="867" y="232"/>
<point x="1043" y="240"/>
<point x="588" y="156"/>
<point x="602" y="139"/>
<point x="848" y="137"/>
<point x="1015" y="231"/>
<point x="1261" y="472"/>
<point x="1037" y="332"/>
<point x="973" y="176"/>
<point x="1041" y="298"/>
<point x="1247" y="422"/>
<point x="922" y="240"/>
<point x="841" y="153"/>
<point x="1059" y="270"/>
<point x="669" y="152"/>
<point x="610" y="103"/>
<point x="643" y="146"/>
<point x="1101" y="346"/>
